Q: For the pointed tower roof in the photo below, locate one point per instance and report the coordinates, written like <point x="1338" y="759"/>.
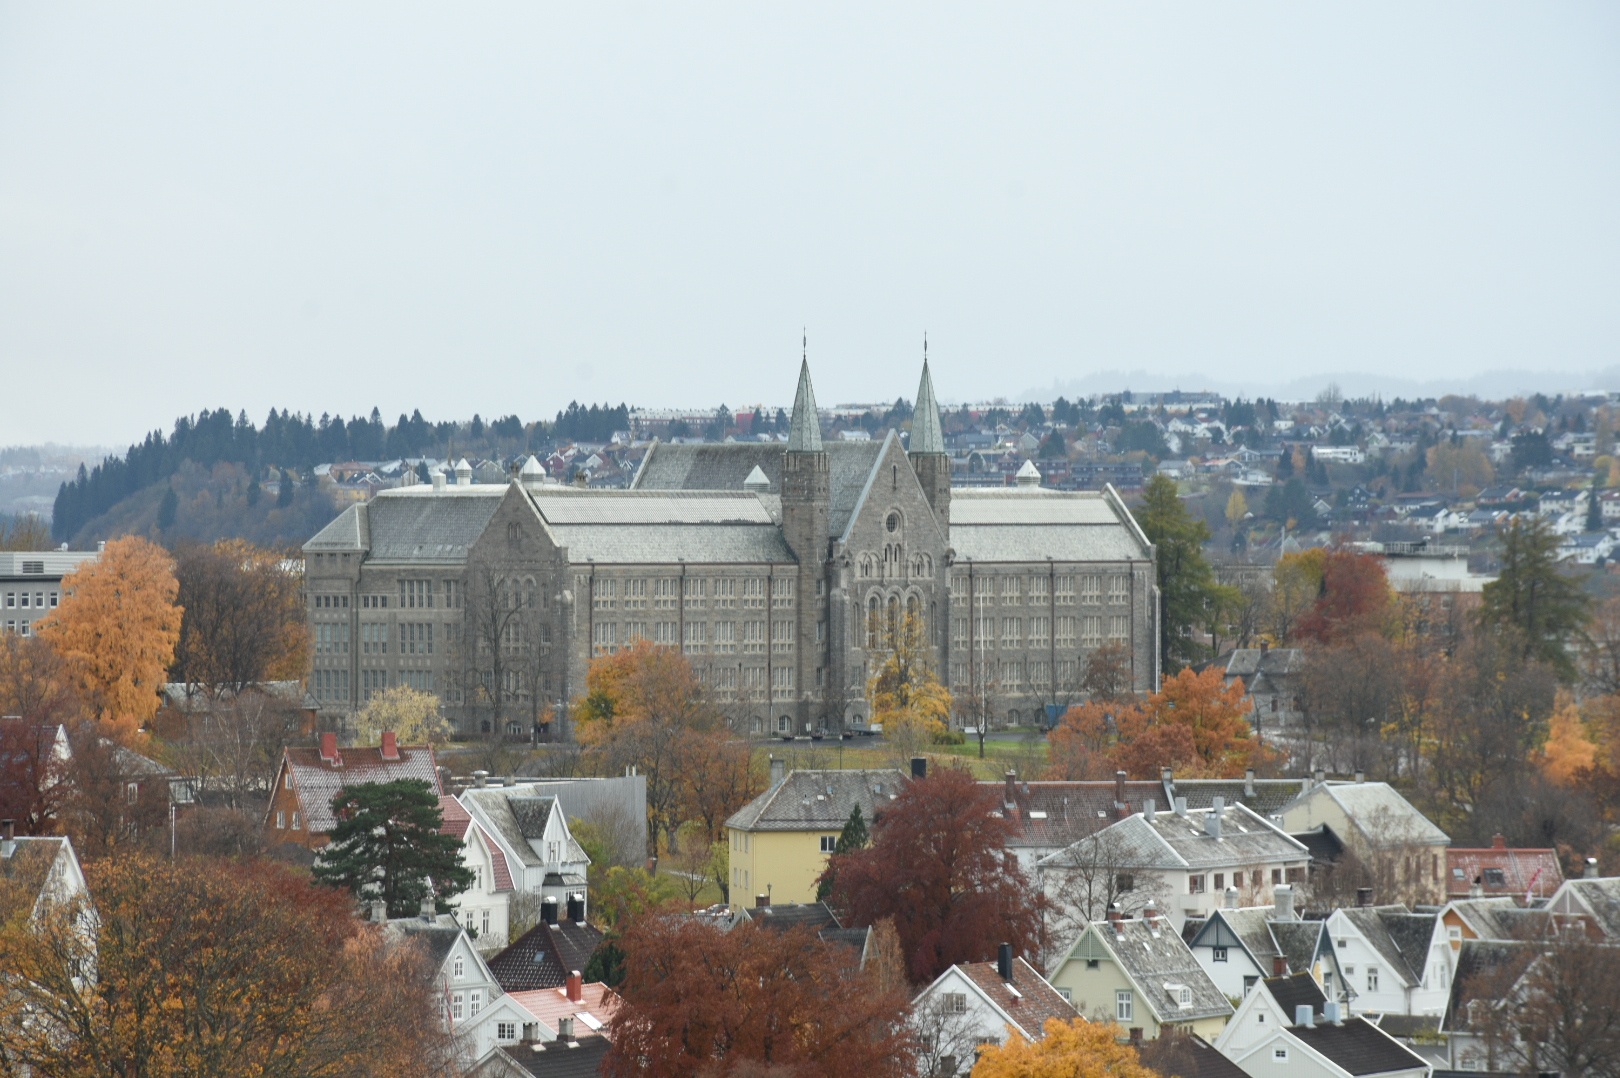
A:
<point x="804" y="432"/>
<point x="927" y="436"/>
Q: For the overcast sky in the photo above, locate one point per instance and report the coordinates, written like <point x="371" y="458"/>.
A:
<point x="483" y="208"/>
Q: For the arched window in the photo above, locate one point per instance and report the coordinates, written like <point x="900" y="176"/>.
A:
<point x="914" y="611"/>
<point x="872" y="623"/>
<point x="894" y="617"/>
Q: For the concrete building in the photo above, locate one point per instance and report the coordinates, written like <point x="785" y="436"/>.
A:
<point x="31" y="585"/>
<point x="783" y="570"/>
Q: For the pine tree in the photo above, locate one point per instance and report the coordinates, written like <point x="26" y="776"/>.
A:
<point x="387" y="845"/>
<point x="853" y="837"/>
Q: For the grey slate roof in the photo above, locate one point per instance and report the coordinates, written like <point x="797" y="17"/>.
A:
<point x="414" y="523"/>
<point x="434" y="937"/>
<point x="1392" y="931"/>
<point x="1152" y="955"/>
<point x="544" y="955"/>
<point x="551" y="1059"/>
<point x="819" y="800"/>
<point x="1032" y="524"/>
<point x="1359" y="1047"/>
<point x="1602" y="897"/>
<point x="1056" y="813"/>
<point x="1170" y="841"/>
<point x="1299" y="941"/>
<point x="818" y="915"/>
<point x="316" y="782"/>
<point x="520" y="818"/>
<point x="1280" y="662"/>
<point x="1477" y="961"/>
<point x="1268" y="797"/>
<point x="1380" y="813"/>
<point x="666" y="544"/>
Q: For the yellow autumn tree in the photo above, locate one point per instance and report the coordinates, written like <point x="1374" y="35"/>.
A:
<point x="1237" y="507"/>
<point x="905" y="694"/>
<point x="1569" y="750"/>
<point x="115" y="632"/>
<point x="413" y="715"/>
<point x="1073" y="1049"/>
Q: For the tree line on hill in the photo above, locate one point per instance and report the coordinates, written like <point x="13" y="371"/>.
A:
<point x="292" y="442"/>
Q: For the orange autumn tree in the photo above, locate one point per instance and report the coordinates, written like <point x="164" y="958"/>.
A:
<point x="1569" y="751"/>
<point x="116" y="632"/>
<point x="1073" y="1049"/>
<point x="1196" y="724"/>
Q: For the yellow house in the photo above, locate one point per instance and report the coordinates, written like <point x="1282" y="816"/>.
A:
<point x="1404" y="851"/>
<point x="1138" y="972"/>
<point x="780" y="841"/>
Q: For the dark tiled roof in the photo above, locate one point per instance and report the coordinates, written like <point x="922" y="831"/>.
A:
<point x="819" y="800"/>
<point x="1602" y="897"/>
<point x="1035" y="1002"/>
<point x="816" y="915"/>
<point x="1296" y="990"/>
<point x="1172" y="841"/>
<point x="1375" y="924"/>
<point x="1299" y="941"/>
<point x="556" y="1059"/>
<point x="1477" y="960"/>
<point x="1412" y="933"/>
<point x="1188" y="1056"/>
<point x="435" y="937"/>
<point x="1054" y="814"/>
<point x="1359" y="1047"/>
<point x="1269" y="795"/>
<point x="544" y="956"/>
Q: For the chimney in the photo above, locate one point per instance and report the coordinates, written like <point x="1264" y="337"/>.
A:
<point x="1004" y="962"/>
<point x="1591" y="871"/>
<point x="1279" y="966"/>
<point x="329" y="749"/>
<point x="762" y="901"/>
<point x="1115" y="915"/>
<point x="1010" y="779"/>
<point x="576" y="907"/>
<point x="1498" y="841"/>
<point x="1119" y="788"/>
<point x="565" y="1028"/>
<point x="1361" y="776"/>
<point x="1212" y="822"/>
<point x="1248" y="782"/>
<point x="437" y="475"/>
<point x="480" y="779"/>
<point x="101" y="546"/>
<point x="390" y="745"/>
<point x="1282" y="900"/>
<point x="1332" y="1011"/>
<point x="1168" y="777"/>
<point x="576" y="986"/>
<point x="8" y="837"/>
<point x="1265" y="646"/>
<point x="778" y="770"/>
<point x="379" y="911"/>
<point x="1231" y="898"/>
<point x="1304" y="1015"/>
<point x="430" y="911"/>
<point x="1150" y="911"/>
<point x="1364" y="897"/>
<point x="1149" y="809"/>
<point x="919" y="767"/>
<point x="1320" y="777"/>
<point x="548" y="911"/>
<point x="1181" y="805"/>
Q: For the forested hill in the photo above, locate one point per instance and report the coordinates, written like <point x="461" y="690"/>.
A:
<point x="294" y="443"/>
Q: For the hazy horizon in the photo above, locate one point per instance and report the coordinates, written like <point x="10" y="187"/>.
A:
<point x="503" y="208"/>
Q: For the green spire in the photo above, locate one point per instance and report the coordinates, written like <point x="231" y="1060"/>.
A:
<point x="804" y="432"/>
<point x="927" y="436"/>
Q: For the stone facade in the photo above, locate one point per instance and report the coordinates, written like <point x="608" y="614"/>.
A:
<point x="770" y="565"/>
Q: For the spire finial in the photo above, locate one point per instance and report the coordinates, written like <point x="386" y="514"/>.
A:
<point x="925" y="348"/>
<point x="804" y="429"/>
<point x="804" y="343"/>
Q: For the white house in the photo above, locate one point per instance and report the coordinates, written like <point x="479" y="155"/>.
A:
<point x="1286" y="1029"/>
<point x="977" y="1003"/>
<point x="1239" y="947"/>
<point x="532" y="833"/>
<point x="1393" y="961"/>
<point x="484" y="909"/>
<point x="1184" y="859"/>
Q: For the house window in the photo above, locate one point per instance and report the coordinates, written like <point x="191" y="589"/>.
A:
<point x="1495" y="877"/>
<point x="829" y="843"/>
<point x="506" y="1031"/>
<point x="955" y="1003"/>
<point x="484" y="930"/>
<point x="1122" y="1005"/>
<point x="1276" y="876"/>
<point x="1454" y="933"/>
<point x="1372" y="978"/>
<point x="1248" y="983"/>
<point x="460" y="967"/>
<point x="287" y="781"/>
<point x="1124" y="882"/>
<point x="1195" y="885"/>
<point x="1279" y="1055"/>
<point x="1220" y="881"/>
<point x="1068" y="997"/>
<point x="474" y="999"/>
<point x="456" y="1005"/>
<point x="554" y="852"/>
<point x="1220" y="954"/>
<point x="281" y="820"/>
<point x="295" y="825"/>
<point x="1184" y="998"/>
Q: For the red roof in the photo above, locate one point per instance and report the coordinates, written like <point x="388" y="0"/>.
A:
<point x="549" y="1004"/>
<point x="1028" y="1001"/>
<point x="501" y="871"/>
<point x="456" y="819"/>
<point x="316" y="781"/>
<point x="1502" y="871"/>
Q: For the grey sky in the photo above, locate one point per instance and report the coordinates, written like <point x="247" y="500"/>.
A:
<point x="481" y="208"/>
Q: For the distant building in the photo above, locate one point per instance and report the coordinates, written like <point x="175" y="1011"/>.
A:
<point x="300" y="811"/>
<point x="31" y="585"/>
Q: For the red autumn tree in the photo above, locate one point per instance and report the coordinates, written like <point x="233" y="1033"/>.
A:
<point x="1354" y="597"/>
<point x="702" y="1001"/>
<point x="938" y="866"/>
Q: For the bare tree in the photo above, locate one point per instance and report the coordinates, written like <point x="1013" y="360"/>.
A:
<point x="1092" y="875"/>
<point x="499" y="650"/>
<point x="232" y="744"/>
<point x="1108" y="672"/>
<point x="948" y="1040"/>
<point x="1555" y="1007"/>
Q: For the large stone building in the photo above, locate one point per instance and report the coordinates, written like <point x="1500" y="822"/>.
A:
<point x="781" y="569"/>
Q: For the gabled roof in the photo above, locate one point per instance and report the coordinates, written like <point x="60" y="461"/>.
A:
<point x="1027" y="1003"/>
<point x="1188" y="1056"/>
<point x="1521" y="870"/>
<point x="1265" y="796"/>
<point x="1299" y="941"/>
<point x="580" y="1058"/>
<point x="1250" y="926"/>
<point x="819" y="800"/>
<point x="1400" y="937"/>
<point x="544" y="956"/>
<point x="454" y="818"/>
<point x="1380" y="813"/>
<point x="1358" y="1047"/>
<point x="597" y="1001"/>
<point x="1477" y="962"/>
<point x="1057" y="813"/>
<point x="1601" y="897"/>
<point x="1172" y="841"/>
<point x="27" y="872"/>
<point x="1296" y="990"/>
<point x="1033" y="524"/>
<point x="316" y="781"/>
<point x="520" y="817"/>
<point x="1489" y="918"/>
<point x="436" y="938"/>
<point x="1149" y="952"/>
<point x="784" y="915"/>
<point x="415" y="523"/>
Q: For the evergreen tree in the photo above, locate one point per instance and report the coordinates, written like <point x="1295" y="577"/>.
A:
<point x="1187" y="585"/>
<point x="1594" y="507"/>
<point x="387" y="845"/>
<point x="166" y="510"/>
<point x="1531" y="598"/>
<point x="284" y="495"/>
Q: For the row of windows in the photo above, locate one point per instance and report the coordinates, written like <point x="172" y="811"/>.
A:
<point x="281" y="821"/>
<point x="1195" y="884"/>
<point x="16" y="599"/>
<point x="331" y="685"/>
<point x="988" y="631"/>
<point x="23" y="628"/>
<point x="720" y="638"/>
<point x="331" y="602"/>
<point x="1041" y="589"/>
<point x="668" y="593"/>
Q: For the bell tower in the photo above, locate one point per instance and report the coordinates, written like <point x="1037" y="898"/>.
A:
<point x="926" y="450"/>
<point x="806" y="501"/>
